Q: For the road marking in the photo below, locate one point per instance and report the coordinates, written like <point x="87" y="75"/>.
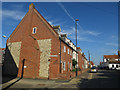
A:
<point x="90" y="76"/>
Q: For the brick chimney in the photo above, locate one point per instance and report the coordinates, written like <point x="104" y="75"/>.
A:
<point x="31" y="6"/>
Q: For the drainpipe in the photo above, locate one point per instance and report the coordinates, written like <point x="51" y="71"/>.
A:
<point x="23" y="62"/>
<point x="60" y="56"/>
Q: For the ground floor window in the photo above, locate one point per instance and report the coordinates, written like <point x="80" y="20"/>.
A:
<point x="64" y="66"/>
<point x="70" y="66"/>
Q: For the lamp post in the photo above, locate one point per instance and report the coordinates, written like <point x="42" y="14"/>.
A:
<point x="76" y="41"/>
<point x="4" y="36"/>
<point x="89" y="58"/>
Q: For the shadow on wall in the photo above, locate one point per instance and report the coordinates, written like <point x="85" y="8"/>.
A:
<point x="9" y="68"/>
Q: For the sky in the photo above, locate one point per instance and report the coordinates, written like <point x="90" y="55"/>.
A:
<point x="97" y="26"/>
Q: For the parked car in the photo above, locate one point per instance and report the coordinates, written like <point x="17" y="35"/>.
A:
<point x="94" y="69"/>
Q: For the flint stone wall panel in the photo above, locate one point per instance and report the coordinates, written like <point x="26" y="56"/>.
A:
<point x="45" y="49"/>
<point x="15" y="51"/>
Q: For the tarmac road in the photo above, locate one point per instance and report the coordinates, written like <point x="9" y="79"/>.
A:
<point x="101" y="79"/>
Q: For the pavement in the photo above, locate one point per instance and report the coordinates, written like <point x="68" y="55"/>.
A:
<point x="102" y="79"/>
<point x="40" y="83"/>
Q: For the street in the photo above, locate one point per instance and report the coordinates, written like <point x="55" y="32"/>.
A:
<point x="101" y="79"/>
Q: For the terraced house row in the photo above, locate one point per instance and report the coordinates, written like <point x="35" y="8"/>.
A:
<point x="37" y="49"/>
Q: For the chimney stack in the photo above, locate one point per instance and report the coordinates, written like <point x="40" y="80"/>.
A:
<point x="31" y="6"/>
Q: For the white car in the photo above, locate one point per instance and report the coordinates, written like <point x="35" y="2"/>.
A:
<point x="94" y="69"/>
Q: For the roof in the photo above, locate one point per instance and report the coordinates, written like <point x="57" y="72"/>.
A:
<point x="56" y="27"/>
<point x="51" y="28"/>
<point x="78" y="48"/>
<point x="2" y="48"/>
<point x="111" y="56"/>
<point x="32" y="7"/>
<point x="63" y="35"/>
<point x="91" y="62"/>
<point x="115" y="62"/>
<point x="67" y="44"/>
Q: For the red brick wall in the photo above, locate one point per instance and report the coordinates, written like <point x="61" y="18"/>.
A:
<point x="65" y="57"/>
<point x="80" y="61"/>
<point x="30" y="49"/>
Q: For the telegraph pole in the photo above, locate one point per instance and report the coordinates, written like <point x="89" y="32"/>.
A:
<point x="76" y="41"/>
<point x="89" y="58"/>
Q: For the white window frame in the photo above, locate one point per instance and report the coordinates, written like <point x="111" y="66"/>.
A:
<point x="68" y="51"/>
<point x="64" y="66"/>
<point x="64" y="49"/>
<point x="35" y="30"/>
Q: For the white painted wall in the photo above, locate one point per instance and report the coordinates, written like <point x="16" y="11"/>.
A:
<point x="110" y="66"/>
<point x="106" y="60"/>
<point x="116" y="59"/>
<point x="85" y="64"/>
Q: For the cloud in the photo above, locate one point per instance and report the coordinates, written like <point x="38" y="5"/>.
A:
<point x="60" y="4"/>
<point x="50" y="22"/>
<point x="56" y="22"/>
<point x="53" y="21"/>
<point x="82" y="32"/>
<point x="85" y="39"/>
<point x="93" y="33"/>
<point x="112" y="44"/>
<point x="105" y="51"/>
<point x="80" y="38"/>
<point x="19" y="6"/>
<point x="68" y="14"/>
<point x="81" y="35"/>
<point x="16" y="15"/>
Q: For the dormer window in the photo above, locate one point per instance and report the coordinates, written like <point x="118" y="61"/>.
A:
<point x="34" y="30"/>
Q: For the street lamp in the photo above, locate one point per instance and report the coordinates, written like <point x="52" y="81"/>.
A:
<point x="4" y="36"/>
<point x="76" y="41"/>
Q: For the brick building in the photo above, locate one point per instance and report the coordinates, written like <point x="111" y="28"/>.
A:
<point x="36" y="49"/>
<point x="80" y="59"/>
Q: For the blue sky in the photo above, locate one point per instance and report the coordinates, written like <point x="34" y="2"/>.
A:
<point x="97" y="25"/>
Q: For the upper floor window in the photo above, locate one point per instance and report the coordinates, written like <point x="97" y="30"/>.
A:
<point x="64" y="49"/>
<point x="107" y="59"/>
<point x="34" y="30"/>
<point x="68" y="51"/>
